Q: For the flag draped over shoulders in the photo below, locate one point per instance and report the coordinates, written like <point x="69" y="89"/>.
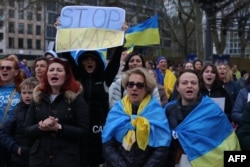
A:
<point x="143" y="34"/>
<point x="119" y="123"/>
<point x="205" y="134"/>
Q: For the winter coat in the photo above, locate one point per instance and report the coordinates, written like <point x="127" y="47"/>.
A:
<point x="55" y="149"/>
<point x="95" y="94"/>
<point x="150" y="157"/>
<point x="12" y="136"/>
<point x="198" y="130"/>
<point x="240" y="104"/>
<point x="117" y="92"/>
<point x="119" y="122"/>
<point x="232" y="89"/>
<point x="176" y="114"/>
<point x="243" y="130"/>
<point x="217" y="91"/>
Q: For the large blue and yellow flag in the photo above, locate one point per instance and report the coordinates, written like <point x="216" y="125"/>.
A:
<point x="143" y="34"/>
<point x="205" y="134"/>
<point x="150" y="124"/>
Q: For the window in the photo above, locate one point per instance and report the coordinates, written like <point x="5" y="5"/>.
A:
<point x="38" y="6"/>
<point x="12" y="3"/>
<point x="1" y="23"/>
<point x="21" y="15"/>
<point x="29" y="41"/>
<point x="1" y="13"/>
<point x="38" y="44"/>
<point x="51" y="32"/>
<point x="11" y="13"/>
<point x="30" y="7"/>
<point x="38" y="30"/>
<point x="52" y="18"/>
<point x="20" y="28"/>
<point x="20" y="42"/>
<point x="11" y="27"/>
<point x="30" y="16"/>
<point x="1" y="36"/>
<point x="51" y="6"/>
<point x="30" y="29"/>
<point x="21" y="4"/>
<point x="11" y="42"/>
<point x="38" y="17"/>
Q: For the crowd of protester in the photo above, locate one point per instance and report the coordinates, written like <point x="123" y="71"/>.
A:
<point x="128" y="112"/>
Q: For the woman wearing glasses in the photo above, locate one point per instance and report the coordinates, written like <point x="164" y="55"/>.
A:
<point x="10" y="78"/>
<point x="116" y="91"/>
<point x="57" y="119"/>
<point x="136" y="132"/>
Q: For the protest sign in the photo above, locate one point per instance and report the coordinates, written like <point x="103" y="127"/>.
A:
<point x="90" y="28"/>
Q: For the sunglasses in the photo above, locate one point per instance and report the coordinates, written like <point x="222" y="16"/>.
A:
<point x="138" y="85"/>
<point x="8" y="68"/>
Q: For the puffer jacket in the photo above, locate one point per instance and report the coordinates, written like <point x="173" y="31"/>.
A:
<point x="12" y="136"/>
<point x="116" y="93"/>
<point x="150" y="157"/>
<point x="57" y="148"/>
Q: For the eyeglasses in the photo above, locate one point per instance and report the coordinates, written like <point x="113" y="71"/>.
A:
<point x="138" y="85"/>
<point x="8" y="68"/>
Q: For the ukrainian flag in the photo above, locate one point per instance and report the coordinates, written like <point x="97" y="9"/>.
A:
<point x="130" y="49"/>
<point x="205" y="134"/>
<point x="143" y="34"/>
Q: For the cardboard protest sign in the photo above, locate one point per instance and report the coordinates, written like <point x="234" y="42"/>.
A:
<point x="90" y="28"/>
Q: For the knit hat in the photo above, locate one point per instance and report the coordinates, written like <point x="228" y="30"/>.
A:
<point x="51" y="52"/>
<point x="159" y="59"/>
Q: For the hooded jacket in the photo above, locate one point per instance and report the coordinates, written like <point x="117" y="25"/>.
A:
<point x="95" y="94"/>
<point x="61" y="147"/>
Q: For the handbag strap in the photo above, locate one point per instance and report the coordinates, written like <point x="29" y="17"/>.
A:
<point x="7" y="108"/>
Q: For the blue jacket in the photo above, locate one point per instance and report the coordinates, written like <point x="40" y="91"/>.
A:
<point x="240" y="105"/>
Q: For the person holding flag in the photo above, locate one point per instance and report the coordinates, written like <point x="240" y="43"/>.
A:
<point x="201" y="131"/>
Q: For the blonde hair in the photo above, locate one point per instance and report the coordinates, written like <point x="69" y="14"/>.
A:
<point x="30" y="82"/>
<point x="229" y="74"/>
<point x="149" y="82"/>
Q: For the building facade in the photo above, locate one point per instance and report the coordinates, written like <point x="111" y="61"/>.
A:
<point x="27" y="27"/>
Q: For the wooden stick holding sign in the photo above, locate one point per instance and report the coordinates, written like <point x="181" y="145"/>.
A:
<point x="89" y="28"/>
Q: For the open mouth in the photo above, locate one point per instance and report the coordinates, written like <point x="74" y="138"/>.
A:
<point x="90" y="67"/>
<point x="209" y="79"/>
<point x="189" y="92"/>
<point x="54" y="79"/>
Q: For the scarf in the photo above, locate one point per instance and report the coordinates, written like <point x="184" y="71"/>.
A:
<point x="148" y="127"/>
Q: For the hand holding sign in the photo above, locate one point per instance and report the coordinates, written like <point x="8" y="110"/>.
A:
<point x="90" y="28"/>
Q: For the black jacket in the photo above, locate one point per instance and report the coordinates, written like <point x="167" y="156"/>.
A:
<point x="115" y="154"/>
<point x="12" y="136"/>
<point x="176" y="113"/>
<point x="217" y="91"/>
<point x="57" y="148"/>
<point x="96" y="96"/>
